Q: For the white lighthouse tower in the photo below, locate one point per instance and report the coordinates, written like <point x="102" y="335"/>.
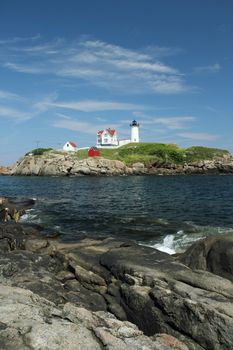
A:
<point x="134" y="131"/>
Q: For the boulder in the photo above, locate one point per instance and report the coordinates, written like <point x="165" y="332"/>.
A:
<point x="214" y="254"/>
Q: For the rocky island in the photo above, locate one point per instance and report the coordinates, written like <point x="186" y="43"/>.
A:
<point x="110" y="294"/>
<point x="132" y="159"/>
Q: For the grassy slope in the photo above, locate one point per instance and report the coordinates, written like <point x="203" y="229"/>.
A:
<point x="148" y="153"/>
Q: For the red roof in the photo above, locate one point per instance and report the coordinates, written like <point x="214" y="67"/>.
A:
<point x="73" y="144"/>
<point x="111" y="131"/>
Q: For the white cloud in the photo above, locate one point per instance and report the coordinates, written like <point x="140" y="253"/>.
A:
<point x="6" y="95"/>
<point x="198" y="136"/>
<point x="17" y="108"/>
<point x="20" y="39"/>
<point x="75" y="126"/>
<point x="24" y="68"/>
<point x="144" y="66"/>
<point x="63" y="116"/>
<point x="11" y="113"/>
<point x="214" y="68"/>
<point x="101" y="119"/>
<point x="94" y="106"/>
<point x="175" y="122"/>
<point x="170" y="122"/>
<point x="159" y="51"/>
<point x="44" y="104"/>
<point x="98" y="63"/>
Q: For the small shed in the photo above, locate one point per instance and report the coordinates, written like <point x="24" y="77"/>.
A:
<point x="70" y="146"/>
<point x="93" y="152"/>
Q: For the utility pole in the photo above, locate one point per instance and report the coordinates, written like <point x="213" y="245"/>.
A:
<point x="37" y="143"/>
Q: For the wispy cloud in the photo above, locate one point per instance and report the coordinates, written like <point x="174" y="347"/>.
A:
<point x="17" y="108"/>
<point x="198" y="136"/>
<point x="175" y="122"/>
<point x="6" y="95"/>
<point x="99" y="63"/>
<point x="75" y="126"/>
<point x="12" y="113"/>
<point x="214" y="68"/>
<point x="19" y="39"/>
<point x="25" y="68"/>
<point x="160" y="51"/>
<point x="95" y="106"/>
<point x="66" y="122"/>
<point x="45" y="103"/>
<point x="168" y="122"/>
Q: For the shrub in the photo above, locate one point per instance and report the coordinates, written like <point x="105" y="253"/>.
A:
<point x="39" y="151"/>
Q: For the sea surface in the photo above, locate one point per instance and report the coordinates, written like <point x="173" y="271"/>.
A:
<point x="164" y="212"/>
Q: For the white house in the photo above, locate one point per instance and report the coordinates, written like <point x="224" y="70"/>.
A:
<point x="70" y="146"/>
<point x="107" y="137"/>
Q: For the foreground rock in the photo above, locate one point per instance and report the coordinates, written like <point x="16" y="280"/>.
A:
<point x="31" y="322"/>
<point x="53" y="310"/>
<point x="66" y="165"/>
<point x="174" y="307"/>
<point x="214" y="254"/>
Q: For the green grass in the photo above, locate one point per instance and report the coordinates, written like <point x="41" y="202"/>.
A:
<point x="147" y="153"/>
<point x="196" y="153"/>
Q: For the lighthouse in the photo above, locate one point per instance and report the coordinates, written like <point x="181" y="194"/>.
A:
<point x="134" y="131"/>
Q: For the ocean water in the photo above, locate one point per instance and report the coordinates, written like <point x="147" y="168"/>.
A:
<point x="164" y="212"/>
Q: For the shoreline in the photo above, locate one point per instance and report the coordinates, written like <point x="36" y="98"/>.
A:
<point x="65" y="165"/>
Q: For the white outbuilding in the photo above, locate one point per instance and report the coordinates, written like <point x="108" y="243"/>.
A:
<point x="70" y="146"/>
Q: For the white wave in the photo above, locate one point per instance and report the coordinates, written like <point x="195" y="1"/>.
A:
<point x="179" y="242"/>
<point x="30" y="216"/>
<point x="167" y="245"/>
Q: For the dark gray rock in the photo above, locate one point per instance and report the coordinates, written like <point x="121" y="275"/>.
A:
<point x="214" y="254"/>
<point x="176" y="306"/>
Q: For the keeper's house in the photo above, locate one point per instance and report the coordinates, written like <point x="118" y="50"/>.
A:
<point x="107" y="137"/>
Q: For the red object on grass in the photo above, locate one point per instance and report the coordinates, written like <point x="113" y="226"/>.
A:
<point x="93" y="152"/>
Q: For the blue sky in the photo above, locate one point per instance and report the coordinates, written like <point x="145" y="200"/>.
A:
<point x="69" y="68"/>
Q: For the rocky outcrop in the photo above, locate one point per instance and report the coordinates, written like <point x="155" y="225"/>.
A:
<point x="214" y="254"/>
<point x="11" y="209"/>
<point x="172" y="305"/>
<point x="4" y="170"/>
<point x="48" y="302"/>
<point x="218" y="165"/>
<point x="67" y="165"/>
<point x="29" y="321"/>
